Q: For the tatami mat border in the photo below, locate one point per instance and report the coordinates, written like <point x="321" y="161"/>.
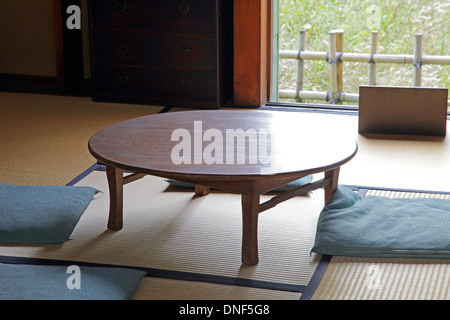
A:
<point x="362" y="190"/>
<point x="316" y="278"/>
<point x="307" y="291"/>
<point x="159" y="273"/>
<point x="166" y="274"/>
<point x="80" y="177"/>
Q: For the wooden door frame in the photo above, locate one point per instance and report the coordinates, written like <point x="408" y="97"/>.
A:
<point x="252" y="52"/>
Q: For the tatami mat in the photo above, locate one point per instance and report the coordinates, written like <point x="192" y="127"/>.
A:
<point x="406" y="194"/>
<point x="44" y="138"/>
<point x="44" y="141"/>
<point x="393" y="162"/>
<point x="385" y="279"/>
<point x="170" y="289"/>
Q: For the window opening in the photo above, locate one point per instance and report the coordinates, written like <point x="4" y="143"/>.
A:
<point x="327" y="49"/>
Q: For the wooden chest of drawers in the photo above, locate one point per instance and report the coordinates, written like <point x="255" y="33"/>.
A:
<point x="162" y="52"/>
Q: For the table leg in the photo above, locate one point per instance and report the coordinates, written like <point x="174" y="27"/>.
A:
<point x="115" y="183"/>
<point x="329" y="189"/>
<point x="201" y="190"/>
<point x="250" y="211"/>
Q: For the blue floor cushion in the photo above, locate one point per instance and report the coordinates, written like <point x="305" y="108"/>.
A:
<point x="287" y="187"/>
<point x="41" y="214"/>
<point x="373" y="226"/>
<point x="31" y="282"/>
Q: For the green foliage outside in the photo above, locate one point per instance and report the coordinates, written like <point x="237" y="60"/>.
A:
<point x="397" y="21"/>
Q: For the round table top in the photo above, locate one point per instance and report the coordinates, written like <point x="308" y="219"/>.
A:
<point x="224" y="144"/>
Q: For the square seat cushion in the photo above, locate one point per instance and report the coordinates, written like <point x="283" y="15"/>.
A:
<point x="373" y="226"/>
<point x="41" y="214"/>
<point x="43" y="282"/>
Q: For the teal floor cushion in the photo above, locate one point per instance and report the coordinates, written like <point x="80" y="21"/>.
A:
<point x="287" y="187"/>
<point x="41" y="214"/>
<point x="31" y="282"/>
<point x="373" y="226"/>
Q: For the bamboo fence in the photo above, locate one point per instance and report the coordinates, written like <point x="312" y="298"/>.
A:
<point x="335" y="58"/>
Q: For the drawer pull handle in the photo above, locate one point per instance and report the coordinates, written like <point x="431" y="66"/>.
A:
<point x="121" y="7"/>
<point x="184" y="8"/>
<point x="185" y="49"/>
<point x="185" y="83"/>
<point x="124" y="49"/>
<point x="123" y="79"/>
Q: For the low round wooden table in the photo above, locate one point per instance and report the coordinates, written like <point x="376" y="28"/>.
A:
<point x="239" y="151"/>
